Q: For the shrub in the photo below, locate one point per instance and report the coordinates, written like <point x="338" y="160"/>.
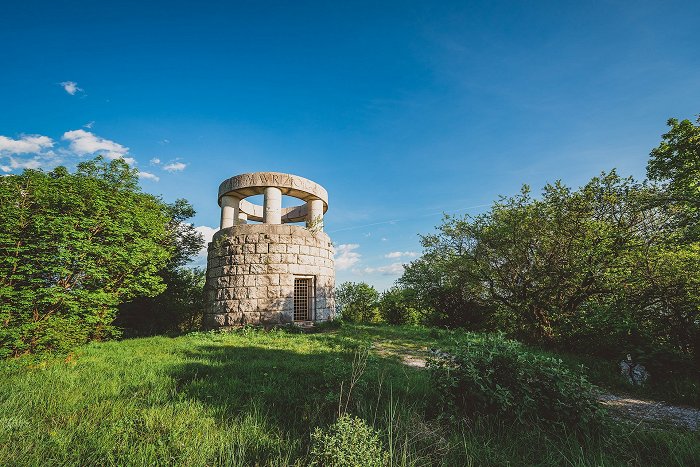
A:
<point x="395" y="307"/>
<point x="491" y="375"/>
<point x="73" y="246"/>
<point x="357" y="302"/>
<point x="348" y="442"/>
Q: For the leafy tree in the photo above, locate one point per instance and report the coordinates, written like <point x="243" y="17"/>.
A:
<point x="399" y="306"/>
<point x="536" y="261"/>
<point x="180" y="306"/>
<point x="676" y="163"/>
<point x="72" y="248"/>
<point x="357" y="302"/>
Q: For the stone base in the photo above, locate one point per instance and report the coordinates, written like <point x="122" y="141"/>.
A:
<point x="251" y="270"/>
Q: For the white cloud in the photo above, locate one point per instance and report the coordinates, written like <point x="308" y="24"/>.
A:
<point x="71" y="87"/>
<point x="393" y="269"/>
<point x="207" y="232"/>
<point x="399" y="254"/>
<point x="83" y="142"/>
<point x="25" y="144"/>
<point x="345" y="257"/>
<point x="37" y="145"/>
<point x="148" y="176"/>
<point x="384" y="239"/>
<point x="154" y="161"/>
<point x="175" y="167"/>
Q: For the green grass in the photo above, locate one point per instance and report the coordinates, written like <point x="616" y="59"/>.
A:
<point x="253" y="398"/>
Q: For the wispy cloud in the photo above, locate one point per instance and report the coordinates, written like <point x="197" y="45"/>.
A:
<point x="346" y="256"/>
<point x="89" y="125"/>
<point x="174" y="167"/>
<point x="154" y="161"/>
<point x="393" y="269"/>
<point x="401" y="254"/>
<point x="148" y="176"/>
<point x="84" y="142"/>
<point x="71" y="87"/>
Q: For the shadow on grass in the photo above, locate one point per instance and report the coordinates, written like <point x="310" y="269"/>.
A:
<point x="295" y="390"/>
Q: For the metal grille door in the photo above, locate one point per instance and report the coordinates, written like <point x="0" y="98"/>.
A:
<point x="303" y="298"/>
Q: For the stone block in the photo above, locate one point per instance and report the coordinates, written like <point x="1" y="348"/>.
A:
<point x="261" y="248"/>
<point x="237" y="259"/>
<point x="250" y="318"/>
<point x="257" y="269"/>
<point x="293" y="249"/>
<point x="273" y="292"/>
<point x="306" y="260"/>
<point x="289" y="258"/>
<point x="286" y="280"/>
<point x="277" y="248"/>
<point x="250" y="280"/>
<point x="277" y="268"/>
<point x="255" y="292"/>
<point x="249" y="248"/>
<point x="253" y="258"/>
<point x="274" y="258"/>
<point x="303" y="250"/>
<point x="266" y="280"/>
<point x="248" y="305"/>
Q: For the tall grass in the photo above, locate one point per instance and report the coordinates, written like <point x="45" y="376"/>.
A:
<point x="254" y="397"/>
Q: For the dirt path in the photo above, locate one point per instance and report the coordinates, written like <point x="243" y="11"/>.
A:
<point x="651" y="411"/>
<point x="623" y="407"/>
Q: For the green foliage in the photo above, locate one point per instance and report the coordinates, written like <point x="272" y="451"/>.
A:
<point x="396" y="306"/>
<point x="491" y="375"/>
<point x="180" y="306"/>
<point x="177" y="309"/>
<point x="676" y="163"/>
<point x="72" y="247"/>
<point x="349" y="442"/>
<point x="357" y="302"/>
<point x="609" y="268"/>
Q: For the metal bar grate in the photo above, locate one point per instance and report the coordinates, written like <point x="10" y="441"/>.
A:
<point x="302" y="298"/>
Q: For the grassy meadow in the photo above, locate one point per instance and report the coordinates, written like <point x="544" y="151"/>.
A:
<point x="253" y="397"/>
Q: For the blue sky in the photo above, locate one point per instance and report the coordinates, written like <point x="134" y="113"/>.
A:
<point x="402" y="110"/>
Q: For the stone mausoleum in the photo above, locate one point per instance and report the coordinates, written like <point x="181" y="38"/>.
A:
<point x="268" y="264"/>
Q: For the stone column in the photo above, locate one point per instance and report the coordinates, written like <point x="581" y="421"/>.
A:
<point x="229" y="211"/>
<point x="314" y="214"/>
<point x="242" y="218"/>
<point x="272" y="206"/>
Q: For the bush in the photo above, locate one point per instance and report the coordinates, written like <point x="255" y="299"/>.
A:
<point x="395" y="307"/>
<point x="73" y="246"/>
<point x="348" y="442"/>
<point x="491" y="375"/>
<point x="357" y="302"/>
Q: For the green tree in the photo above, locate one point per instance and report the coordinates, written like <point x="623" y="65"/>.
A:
<point x="357" y="302"/>
<point x="676" y="164"/>
<point x="72" y="248"/>
<point x="180" y="306"/>
<point x="535" y="262"/>
<point x="399" y="306"/>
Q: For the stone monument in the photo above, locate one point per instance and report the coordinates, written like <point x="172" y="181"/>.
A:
<point x="272" y="271"/>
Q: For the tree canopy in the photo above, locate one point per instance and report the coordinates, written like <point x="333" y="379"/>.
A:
<point x="73" y="246"/>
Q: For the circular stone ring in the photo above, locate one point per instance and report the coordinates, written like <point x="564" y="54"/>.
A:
<point x="250" y="184"/>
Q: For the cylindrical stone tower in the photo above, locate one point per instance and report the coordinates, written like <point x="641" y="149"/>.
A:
<point x="272" y="272"/>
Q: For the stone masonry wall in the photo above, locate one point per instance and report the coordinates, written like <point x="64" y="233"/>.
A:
<point x="251" y="270"/>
